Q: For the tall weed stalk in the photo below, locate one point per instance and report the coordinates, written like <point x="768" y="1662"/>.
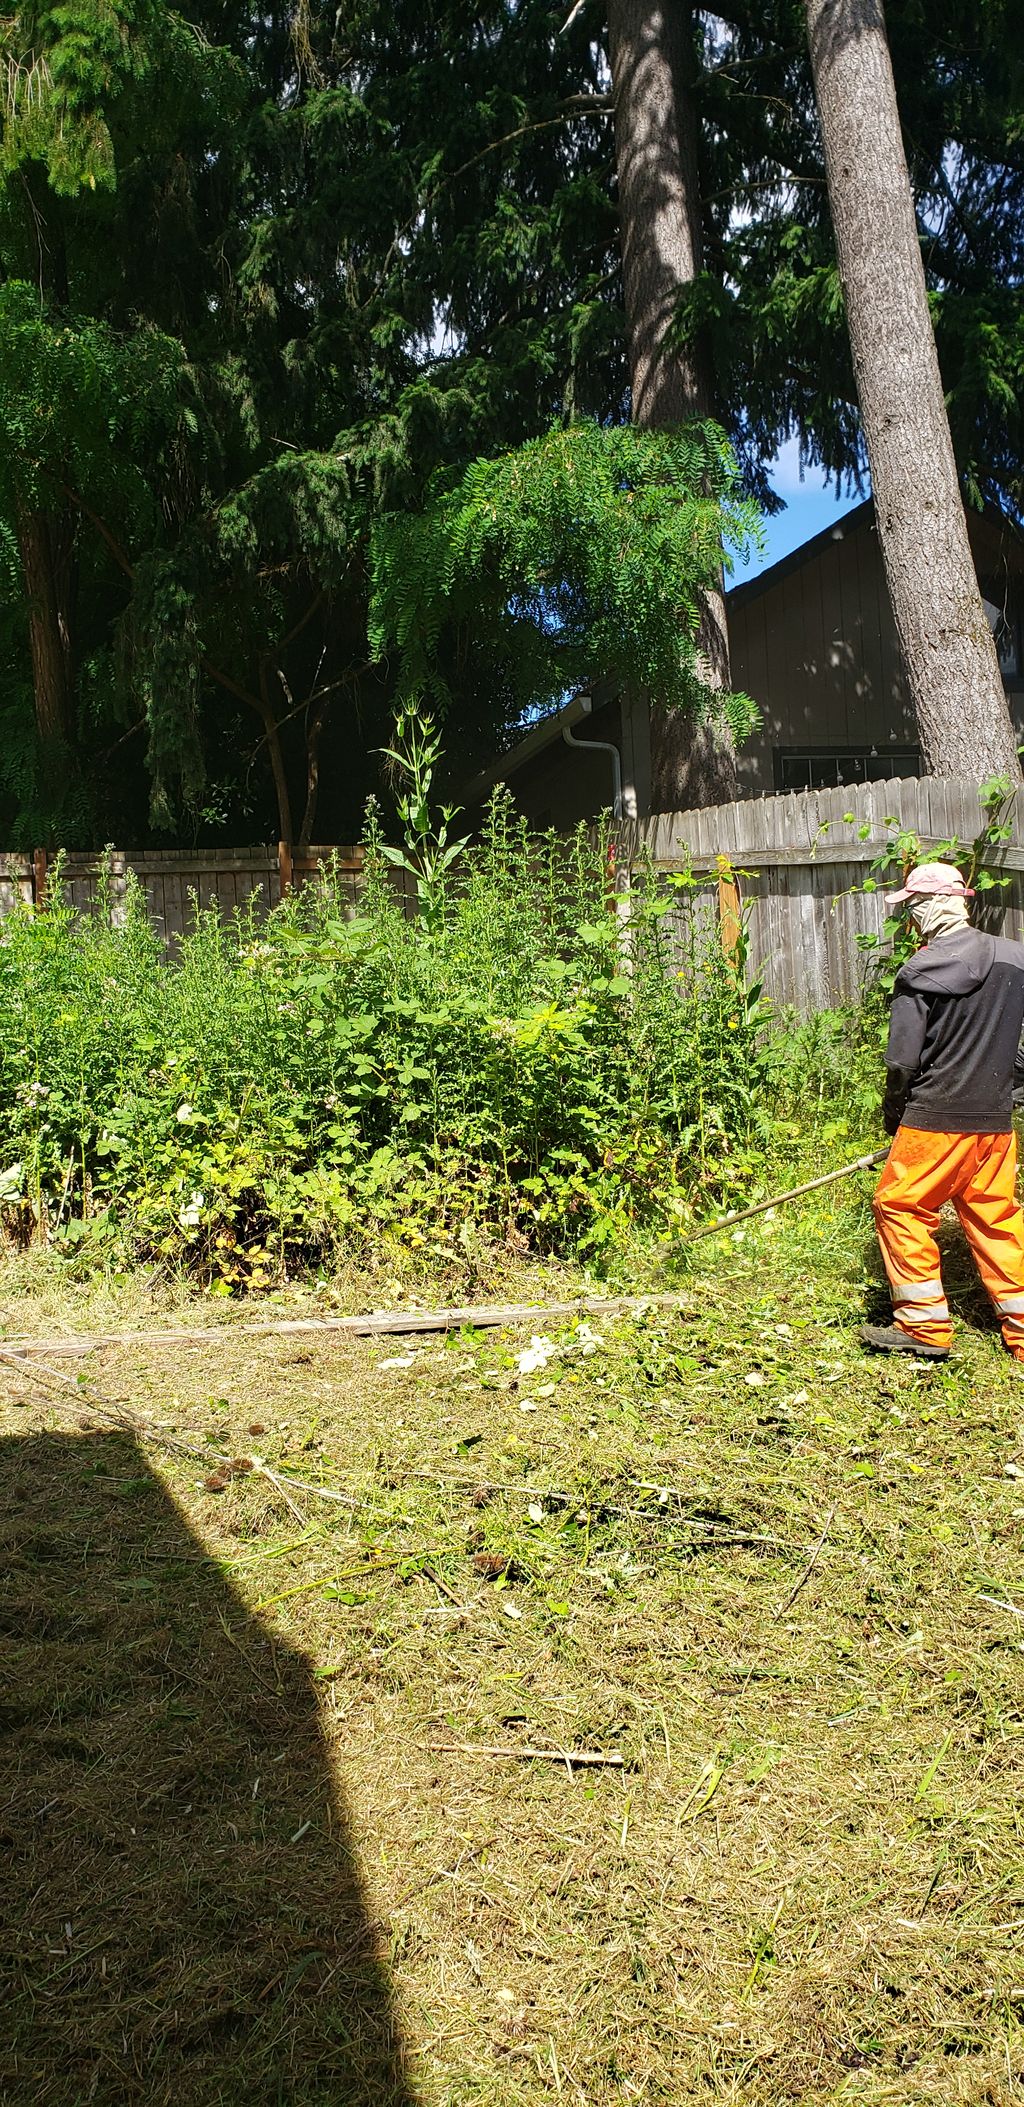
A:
<point x="531" y="1057"/>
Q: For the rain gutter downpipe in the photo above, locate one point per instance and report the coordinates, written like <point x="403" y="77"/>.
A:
<point x="603" y="746"/>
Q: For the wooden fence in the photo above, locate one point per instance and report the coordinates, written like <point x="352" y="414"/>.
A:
<point x="174" y="879"/>
<point x="793" y="861"/>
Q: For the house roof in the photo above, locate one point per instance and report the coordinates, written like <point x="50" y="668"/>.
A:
<point x="861" y="517"/>
<point x="581" y="705"/>
<point x="1004" y="537"/>
<point x="851" y="522"/>
<point x="541" y="735"/>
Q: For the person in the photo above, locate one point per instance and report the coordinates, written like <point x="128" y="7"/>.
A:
<point x="953" y="1062"/>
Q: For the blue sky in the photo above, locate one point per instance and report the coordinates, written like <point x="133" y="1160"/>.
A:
<point x="809" y="508"/>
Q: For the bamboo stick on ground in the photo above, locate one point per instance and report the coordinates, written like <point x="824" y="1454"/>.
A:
<point x="581" y="1758"/>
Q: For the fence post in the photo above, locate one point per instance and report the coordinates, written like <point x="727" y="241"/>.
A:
<point x="729" y="918"/>
<point x="39" y="863"/>
<point x="284" y="866"/>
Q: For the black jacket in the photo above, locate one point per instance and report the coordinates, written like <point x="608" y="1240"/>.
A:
<point x="953" y="1056"/>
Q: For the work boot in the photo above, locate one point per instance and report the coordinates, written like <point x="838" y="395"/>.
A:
<point x="888" y="1338"/>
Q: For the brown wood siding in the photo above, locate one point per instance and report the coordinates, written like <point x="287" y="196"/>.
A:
<point x="563" y="785"/>
<point x="816" y="647"/>
<point x="817" y="650"/>
<point x="812" y="640"/>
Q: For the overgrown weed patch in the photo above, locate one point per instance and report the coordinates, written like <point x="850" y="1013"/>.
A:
<point x="535" y="1066"/>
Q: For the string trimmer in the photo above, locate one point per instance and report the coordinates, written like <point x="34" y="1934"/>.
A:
<point x="796" y="1192"/>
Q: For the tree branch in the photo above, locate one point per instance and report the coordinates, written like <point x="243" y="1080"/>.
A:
<point x="602" y="105"/>
<point x="120" y="556"/>
<point x="133" y="729"/>
<point x="124" y="563"/>
<point x="299" y="626"/>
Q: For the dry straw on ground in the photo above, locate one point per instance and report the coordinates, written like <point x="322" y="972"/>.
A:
<point x="247" y="1855"/>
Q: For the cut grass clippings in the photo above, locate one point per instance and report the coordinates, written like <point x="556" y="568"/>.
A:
<point x="263" y="1841"/>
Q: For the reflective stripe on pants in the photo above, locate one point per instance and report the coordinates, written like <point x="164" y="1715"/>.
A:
<point x="977" y="1172"/>
<point x="920" y="1307"/>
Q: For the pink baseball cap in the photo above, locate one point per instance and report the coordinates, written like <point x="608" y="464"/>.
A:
<point x="930" y="880"/>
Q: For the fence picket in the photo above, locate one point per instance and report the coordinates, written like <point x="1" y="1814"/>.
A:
<point x="803" y="857"/>
<point x="803" y="919"/>
<point x="226" y="878"/>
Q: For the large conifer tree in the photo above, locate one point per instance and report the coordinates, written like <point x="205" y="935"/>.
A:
<point x="268" y="271"/>
<point x="947" y="647"/>
<point x="653" y="61"/>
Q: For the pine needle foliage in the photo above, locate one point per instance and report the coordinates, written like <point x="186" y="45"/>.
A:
<point x="582" y="554"/>
<point x="80" y="401"/>
<point x="362" y="249"/>
<point x="64" y="69"/>
<point x="771" y="301"/>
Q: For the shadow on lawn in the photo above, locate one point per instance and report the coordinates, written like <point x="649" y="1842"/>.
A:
<point x="166" y="1934"/>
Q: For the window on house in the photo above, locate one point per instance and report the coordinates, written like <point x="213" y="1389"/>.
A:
<point x="829" y="767"/>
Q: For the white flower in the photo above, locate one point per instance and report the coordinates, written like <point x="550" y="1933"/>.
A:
<point x="536" y="1355"/>
<point x="191" y="1215"/>
<point x="184" y="1114"/>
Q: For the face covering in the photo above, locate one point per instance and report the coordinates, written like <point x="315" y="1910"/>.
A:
<point x="938" y="914"/>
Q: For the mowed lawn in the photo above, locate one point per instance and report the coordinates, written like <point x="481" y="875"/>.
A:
<point x="269" y="1833"/>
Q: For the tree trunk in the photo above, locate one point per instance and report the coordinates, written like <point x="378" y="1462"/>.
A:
<point x="659" y="203"/>
<point x="277" y="767"/>
<point x="656" y="146"/>
<point x="314" y="733"/>
<point x="947" y="646"/>
<point x="49" y="641"/>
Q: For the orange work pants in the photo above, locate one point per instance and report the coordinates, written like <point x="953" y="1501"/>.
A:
<point x="977" y="1172"/>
